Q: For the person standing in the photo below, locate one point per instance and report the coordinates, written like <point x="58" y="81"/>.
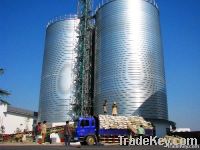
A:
<point x="44" y="131"/>
<point x="114" y="109"/>
<point x="38" y="129"/>
<point x="105" y="105"/>
<point x="67" y="134"/>
<point x="141" y="131"/>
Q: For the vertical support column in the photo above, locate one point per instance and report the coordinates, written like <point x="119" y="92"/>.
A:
<point x="83" y="94"/>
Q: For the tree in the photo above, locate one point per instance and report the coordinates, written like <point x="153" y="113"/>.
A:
<point x="1" y="71"/>
<point x="3" y="93"/>
<point x="18" y="130"/>
<point x="2" y="129"/>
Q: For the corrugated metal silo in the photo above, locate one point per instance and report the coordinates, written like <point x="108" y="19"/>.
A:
<point x="129" y="65"/>
<point x="57" y="75"/>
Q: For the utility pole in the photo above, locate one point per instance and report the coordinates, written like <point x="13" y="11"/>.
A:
<point x="83" y="64"/>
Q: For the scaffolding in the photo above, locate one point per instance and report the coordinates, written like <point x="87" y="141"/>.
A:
<point x="83" y="89"/>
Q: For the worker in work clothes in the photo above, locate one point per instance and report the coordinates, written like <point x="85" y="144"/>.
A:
<point x="141" y="131"/>
<point x="67" y="134"/>
<point x="105" y="105"/>
<point x="44" y="131"/>
<point x="114" y="109"/>
<point x="38" y="130"/>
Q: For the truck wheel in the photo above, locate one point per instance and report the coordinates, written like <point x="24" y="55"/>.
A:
<point x="90" y="140"/>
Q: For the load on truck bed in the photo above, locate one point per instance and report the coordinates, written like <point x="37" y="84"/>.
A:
<point x="107" y="128"/>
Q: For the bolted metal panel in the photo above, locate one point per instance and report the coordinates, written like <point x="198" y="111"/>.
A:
<point x="57" y="74"/>
<point x="129" y="65"/>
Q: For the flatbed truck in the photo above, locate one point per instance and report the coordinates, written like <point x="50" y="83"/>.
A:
<point x="88" y="132"/>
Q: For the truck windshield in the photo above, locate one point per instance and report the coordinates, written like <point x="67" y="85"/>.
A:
<point x="84" y="123"/>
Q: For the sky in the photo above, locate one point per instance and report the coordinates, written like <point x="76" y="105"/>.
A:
<point x="22" y="34"/>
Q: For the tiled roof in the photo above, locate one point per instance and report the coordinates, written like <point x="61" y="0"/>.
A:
<point x="21" y="111"/>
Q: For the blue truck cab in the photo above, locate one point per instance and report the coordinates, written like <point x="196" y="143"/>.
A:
<point x="86" y="130"/>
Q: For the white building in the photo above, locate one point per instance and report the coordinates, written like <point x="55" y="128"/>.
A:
<point x="13" y="119"/>
<point x="182" y="130"/>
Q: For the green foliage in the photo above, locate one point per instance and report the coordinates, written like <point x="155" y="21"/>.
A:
<point x="1" y="71"/>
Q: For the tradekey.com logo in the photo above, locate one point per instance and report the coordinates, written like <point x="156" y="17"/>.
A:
<point x="168" y="143"/>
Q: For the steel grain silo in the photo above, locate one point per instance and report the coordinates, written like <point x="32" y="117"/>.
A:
<point x="129" y="65"/>
<point x="57" y="75"/>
